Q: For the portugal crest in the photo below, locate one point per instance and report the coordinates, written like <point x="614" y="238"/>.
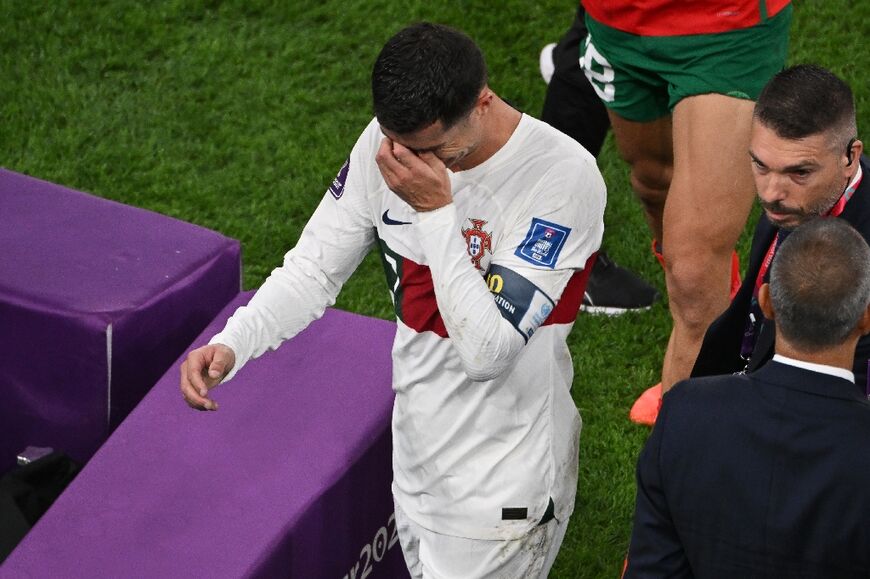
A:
<point x="477" y="240"/>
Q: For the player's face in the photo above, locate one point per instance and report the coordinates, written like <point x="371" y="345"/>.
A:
<point x="796" y="179"/>
<point x="453" y="146"/>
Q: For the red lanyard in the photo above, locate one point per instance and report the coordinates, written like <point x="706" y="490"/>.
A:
<point x="759" y="281"/>
<point x="847" y="194"/>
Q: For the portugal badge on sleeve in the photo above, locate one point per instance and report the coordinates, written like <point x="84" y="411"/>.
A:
<point x="477" y="240"/>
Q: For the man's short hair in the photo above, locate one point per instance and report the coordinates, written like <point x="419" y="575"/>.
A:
<point x="820" y="283"/>
<point x="806" y="100"/>
<point x="426" y="73"/>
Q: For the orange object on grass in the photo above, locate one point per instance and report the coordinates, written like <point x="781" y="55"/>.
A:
<point x="646" y="407"/>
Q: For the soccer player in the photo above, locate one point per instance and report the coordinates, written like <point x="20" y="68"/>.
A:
<point x="487" y="221"/>
<point x="679" y="80"/>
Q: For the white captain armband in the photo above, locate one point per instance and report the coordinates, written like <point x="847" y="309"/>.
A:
<point x="519" y="300"/>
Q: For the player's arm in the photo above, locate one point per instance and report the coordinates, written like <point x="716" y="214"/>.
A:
<point x="333" y="243"/>
<point x="490" y="319"/>
<point x="488" y="329"/>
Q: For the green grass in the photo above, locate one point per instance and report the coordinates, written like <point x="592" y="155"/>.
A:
<point x="236" y="116"/>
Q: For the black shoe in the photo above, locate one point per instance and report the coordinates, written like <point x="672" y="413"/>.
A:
<point x="613" y="290"/>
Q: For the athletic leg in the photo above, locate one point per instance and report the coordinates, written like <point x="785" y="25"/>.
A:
<point x="647" y="148"/>
<point x="572" y="106"/>
<point x="707" y="205"/>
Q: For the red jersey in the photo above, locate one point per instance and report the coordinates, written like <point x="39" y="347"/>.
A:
<point x="681" y="17"/>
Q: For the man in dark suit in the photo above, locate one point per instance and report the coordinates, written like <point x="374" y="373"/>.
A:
<point x="767" y="474"/>
<point x="807" y="163"/>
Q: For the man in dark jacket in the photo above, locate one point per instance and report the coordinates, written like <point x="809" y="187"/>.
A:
<point x="766" y="474"/>
<point x="807" y="163"/>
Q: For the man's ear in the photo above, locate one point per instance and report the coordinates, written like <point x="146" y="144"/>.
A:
<point x="764" y="301"/>
<point x="864" y="323"/>
<point x="484" y="99"/>
<point x="853" y="151"/>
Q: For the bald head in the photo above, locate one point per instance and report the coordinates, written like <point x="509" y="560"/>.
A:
<point x="820" y="284"/>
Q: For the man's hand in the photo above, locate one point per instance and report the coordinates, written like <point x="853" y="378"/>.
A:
<point x="203" y="369"/>
<point x="420" y="180"/>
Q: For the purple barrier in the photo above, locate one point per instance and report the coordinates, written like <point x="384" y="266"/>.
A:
<point x="290" y="478"/>
<point x="97" y="299"/>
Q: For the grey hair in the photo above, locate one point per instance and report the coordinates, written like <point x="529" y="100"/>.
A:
<point x="820" y="283"/>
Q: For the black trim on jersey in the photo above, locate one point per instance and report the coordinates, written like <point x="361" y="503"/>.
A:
<point x="392" y="263"/>
<point x="520" y="301"/>
<point x="549" y="514"/>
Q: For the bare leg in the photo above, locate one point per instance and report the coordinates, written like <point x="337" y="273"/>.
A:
<point x="692" y="175"/>
<point x="648" y="148"/>
<point x="707" y="205"/>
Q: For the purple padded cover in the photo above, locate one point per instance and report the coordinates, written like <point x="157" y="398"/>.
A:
<point x="289" y="478"/>
<point x="97" y="299"/>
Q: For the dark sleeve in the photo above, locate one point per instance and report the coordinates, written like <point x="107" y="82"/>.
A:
<point x="862" y="355"/>
<point x="655" y="550"/>
<point x="857" y="214"/>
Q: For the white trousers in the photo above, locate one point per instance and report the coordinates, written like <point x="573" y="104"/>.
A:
<point x="431" y="555"/>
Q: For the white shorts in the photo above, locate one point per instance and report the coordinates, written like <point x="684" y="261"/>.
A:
<point x="431" y="555"/>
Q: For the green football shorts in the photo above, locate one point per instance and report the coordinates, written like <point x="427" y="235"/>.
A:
<point x="642" y="78"/>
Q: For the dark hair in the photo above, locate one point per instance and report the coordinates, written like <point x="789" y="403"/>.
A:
<point x="806" y="100"/>
<point x="426" y="73"/>
<point x="820" y="283"/>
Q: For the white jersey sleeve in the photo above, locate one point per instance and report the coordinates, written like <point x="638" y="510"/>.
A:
<point x="555" y="231"/>
<point x="553" y="237"/>
<point x="333" y="243"/>
<point x="485" y="341"/>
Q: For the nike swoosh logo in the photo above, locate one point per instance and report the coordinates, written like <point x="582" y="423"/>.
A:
<point x="388" y="221"/>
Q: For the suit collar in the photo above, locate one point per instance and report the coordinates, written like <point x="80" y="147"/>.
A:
<point x="803" y="380"/>
<point x="821" y="368"/>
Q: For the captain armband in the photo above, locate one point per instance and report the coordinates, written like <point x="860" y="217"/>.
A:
<point x="519" y="300"/>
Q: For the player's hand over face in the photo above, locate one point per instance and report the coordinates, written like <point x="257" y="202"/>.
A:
<point x="204" y="369"/>
<point x="421" y="180"/>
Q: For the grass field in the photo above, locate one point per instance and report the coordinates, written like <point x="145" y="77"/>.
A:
<point x="237" y="115"/>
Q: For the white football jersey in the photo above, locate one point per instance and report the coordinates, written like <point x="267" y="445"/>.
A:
<point x="486" y="290"/>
